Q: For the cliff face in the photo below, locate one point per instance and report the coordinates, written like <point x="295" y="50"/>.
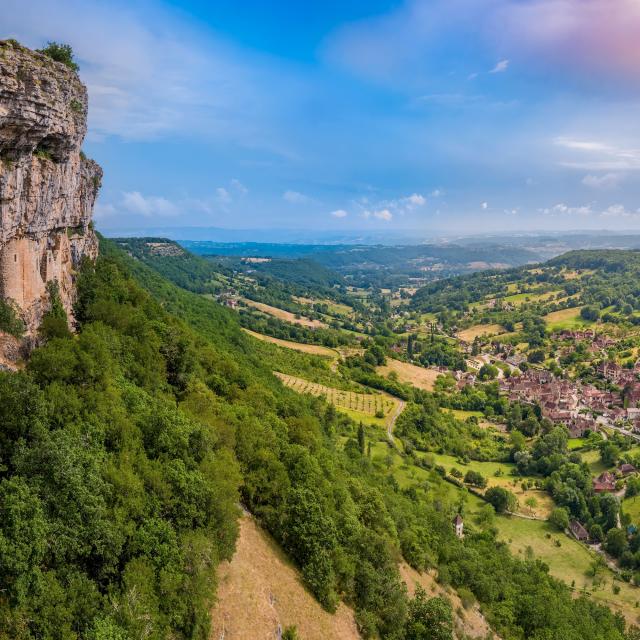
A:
<point x="47" y="186"/>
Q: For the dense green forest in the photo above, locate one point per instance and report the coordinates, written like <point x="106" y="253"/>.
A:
<point x="127" y="447"/>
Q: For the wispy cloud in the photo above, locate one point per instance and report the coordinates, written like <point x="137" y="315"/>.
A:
<point x="500" y="67"/>
<point x="151" y="73"/>
<point x="136" y="203"/>
<point x="295" y="197"/>
<point x="606" y="181"/>
<point x="339" y="213"/>
<point x="599" y="156"/>
<point x="595" y="39"/>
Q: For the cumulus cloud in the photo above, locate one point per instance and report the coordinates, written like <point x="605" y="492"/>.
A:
<point x="485" y="205"/>
<point x="619" y="211"/>
<point x="380" y="214"/>
<point x="606" y="181"/>
<point x="295" y="197"/>
<point x="500" y="67"/>
<point x="339" y="213"/>
<point x="387" y="209"/>
<point x="137" y="203"/>
<point x="414" y="200"/>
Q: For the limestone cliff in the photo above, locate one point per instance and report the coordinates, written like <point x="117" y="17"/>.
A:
<point x="47" y="186"/>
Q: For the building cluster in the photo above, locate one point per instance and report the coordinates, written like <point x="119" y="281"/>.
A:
<point x="580" y="407"/>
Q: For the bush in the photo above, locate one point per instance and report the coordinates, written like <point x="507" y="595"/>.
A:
<point x="501" y="499"/>
<point x="475" y="478"/>
<point x="559" y="518"/>
<point x="60" y="53"/>
<point x="9" y="320"/>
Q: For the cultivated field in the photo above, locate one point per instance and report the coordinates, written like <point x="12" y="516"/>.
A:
<point x="419" y="377"/>
<point x="260" y="590"/>
<point x="281" y="314"/>
<point x="360" y="406"/>
<point x="313" y="349"/>
<point x="470" y="334"/>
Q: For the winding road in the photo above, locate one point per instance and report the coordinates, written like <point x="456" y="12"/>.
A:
<point x="392" y="423"/>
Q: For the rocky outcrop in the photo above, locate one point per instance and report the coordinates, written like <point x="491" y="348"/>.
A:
<point x="47" y="186"/>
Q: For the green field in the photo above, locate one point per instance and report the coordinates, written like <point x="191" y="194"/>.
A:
<point x="460" y="414"/>
<point x="569" y="562"/>
<point x="565" y="319"/>
<point x="576" y="443"/>
<point x="499" y="474"/>
<point x="631" y="506"/>
<point x="522" y="298"/>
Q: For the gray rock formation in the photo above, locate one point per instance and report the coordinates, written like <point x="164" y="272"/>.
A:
<point x="47" y="186"/>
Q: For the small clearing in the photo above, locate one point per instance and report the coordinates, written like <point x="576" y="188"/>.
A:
<point x="313" y="349"/>
<point x="419" y="377"/>
<point x="260" y="591"/>
<point x="565" y="319"/>
<point x="470" y="334"/>
<point x="287" y="316"/>
<point x="469" y="623"/>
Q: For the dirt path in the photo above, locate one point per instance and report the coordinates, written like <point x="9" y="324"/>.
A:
<point x="392" y="423"/>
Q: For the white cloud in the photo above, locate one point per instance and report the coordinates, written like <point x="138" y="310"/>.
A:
<point x="295" y="197"/>
<point x="619" y="211"/>
<point x="485" y="205"/>
<point x="339" y="213"/>
<point x="437" y="193"/>
<point x="135" y="202"/>
<point x="383" y="214"/>
<point x="414" y="200"/>
<point x="151" y="72"/>
<point x="500" y="67"/>
<point x="237" y="186"/>
<point x="606" y="181"/>
<point x="599" y="156"/>
<point x="103" y="210"/>
<point x="223" y="195"/>
<point x="562" y="209"/>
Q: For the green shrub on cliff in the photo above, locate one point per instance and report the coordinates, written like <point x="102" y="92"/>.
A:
<point x="60" y="53"/>
<point x="9" y="320"/>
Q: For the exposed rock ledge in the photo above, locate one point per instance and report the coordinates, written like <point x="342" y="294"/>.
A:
<point x="47" y="186"/>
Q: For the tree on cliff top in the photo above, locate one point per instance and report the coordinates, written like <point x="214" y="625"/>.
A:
<point x="60" y="53"/>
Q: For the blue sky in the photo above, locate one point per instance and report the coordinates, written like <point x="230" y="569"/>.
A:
<point x="456" y="116"/>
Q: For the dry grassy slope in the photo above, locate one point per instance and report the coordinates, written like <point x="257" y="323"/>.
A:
<point x="419" y="377"/>
<point x="260" y="589"/>
<point x="469" y="623"/>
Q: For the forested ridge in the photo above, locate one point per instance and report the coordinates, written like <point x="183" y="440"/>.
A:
<point x="126" y="449"/>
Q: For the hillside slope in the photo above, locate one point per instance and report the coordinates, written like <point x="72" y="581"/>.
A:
<point x="261" y="591"/>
